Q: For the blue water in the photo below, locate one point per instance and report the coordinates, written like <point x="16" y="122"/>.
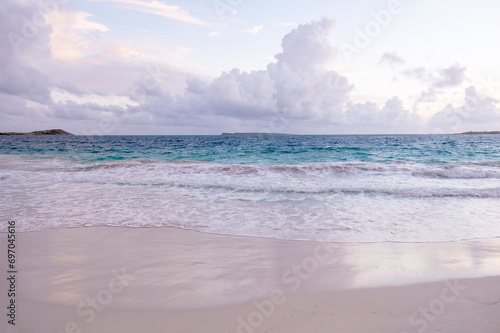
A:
<point x="352" y="188"/>
<point x="293" y="149"/>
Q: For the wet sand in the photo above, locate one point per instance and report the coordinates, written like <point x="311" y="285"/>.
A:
<point x="111" y="279"/>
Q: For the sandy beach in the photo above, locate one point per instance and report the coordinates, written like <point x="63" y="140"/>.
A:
<point x="114" y="279"/>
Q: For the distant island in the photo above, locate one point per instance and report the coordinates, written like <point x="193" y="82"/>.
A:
<point x="46" y="132"/>
<point x="255" y="133"/>
<point x="481" y="132"/>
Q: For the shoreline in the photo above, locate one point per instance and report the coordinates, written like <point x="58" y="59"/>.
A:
<point x="172" y="276"/>
<point x="269" y="238"/>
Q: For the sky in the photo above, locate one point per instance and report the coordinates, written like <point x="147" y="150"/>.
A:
<point x="161" y="67"/>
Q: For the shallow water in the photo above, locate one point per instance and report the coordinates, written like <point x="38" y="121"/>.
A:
<point x="413" y="188"/>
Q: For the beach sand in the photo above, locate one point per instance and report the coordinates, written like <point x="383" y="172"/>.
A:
<point x="115" y="279"/>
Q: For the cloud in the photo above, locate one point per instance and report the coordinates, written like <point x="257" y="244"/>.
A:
<point x="72" y="34"/>
<point x="307" y="46"/>
<point x="437" y="80"/>
<point x="452" y="76"/>
<point x="157" y="8"/>
<point x="255" y="30"/>
<point x="298" y="92"/>
<point x="440" y="78"/>
<point x="295" y="87"/>
<point x="214" y="34"/>
<point x="25" y="45"/>
<point x="391" y="118"/>
<point x="32" y="45"/>
<point x="419" y="73"/>
<point x="287" y="24"/>
<point x="391" y="59"/>
<point x="479" y="112"/>
<point x="295" y="93"/>
<point x="84" y="111"/>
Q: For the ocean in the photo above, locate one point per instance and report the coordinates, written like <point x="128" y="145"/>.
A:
<point x="345" y="188"/>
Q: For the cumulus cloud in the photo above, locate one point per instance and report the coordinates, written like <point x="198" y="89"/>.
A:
<point x="84" y="111"/>
<point x="391" y="118"/>
<point x="295" y="87"/>
<point x="28" y="61"/>
<point x="307" y="46"/>
<point x="24" y="86"/>
<point x="452" y="76"/>
<point x="298" y="92"/>
<point x="391" y="59"/>
<point x="295" y="92"/>
<point x="23" y="45"/>
<point x="437" y="80"/>
<point x="479" y="112"/>
<point x="72" y="33"/>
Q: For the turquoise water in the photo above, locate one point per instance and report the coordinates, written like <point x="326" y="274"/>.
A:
<point x="278" y="149"/>
<point x="354" y="188"/>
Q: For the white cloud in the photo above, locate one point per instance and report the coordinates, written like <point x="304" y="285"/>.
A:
<point x="437" y="80"/>
<point x="288" y="24"/>
<point x="452" y="76"/>
<point x="23" y="48"/>
<point x="391" y="118"/>
<point x="294" y="93"/>
<point x="307" y="46"/>
<point x="255" y="30"/>
<point x="479" y="112"/>
<point x="214" y="34"/>
<point x="158" y="8"/>
<point x="297" y="89"/>
<point x="391" y="59"/>
<point x="297" y="92"/>
<point x="73" y="34"/>
<point x="63" y="96"/>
